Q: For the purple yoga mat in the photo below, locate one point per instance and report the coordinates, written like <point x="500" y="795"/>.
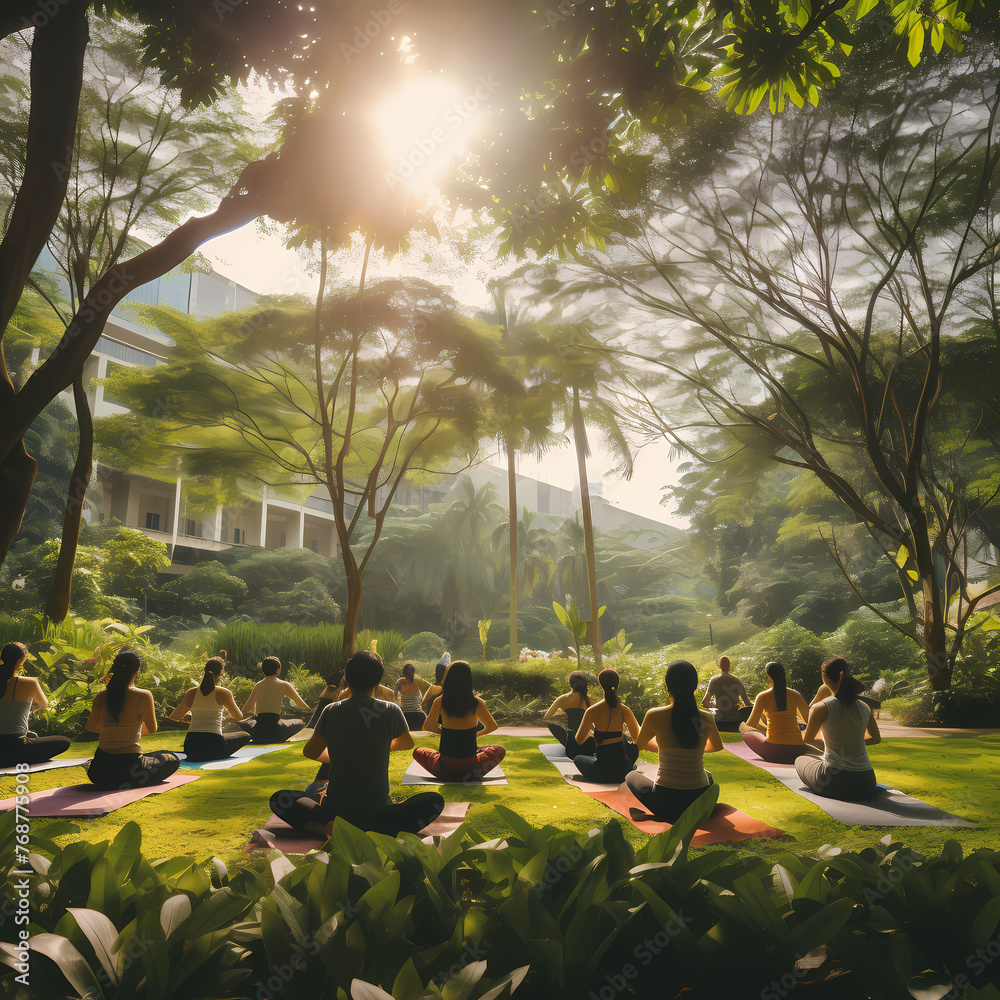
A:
<point x="85" y="800"/>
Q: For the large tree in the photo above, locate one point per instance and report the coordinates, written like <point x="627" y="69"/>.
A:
<point x="354" y="395"/>
<point x="553" y="82"/>
<point x="813" y="299"/>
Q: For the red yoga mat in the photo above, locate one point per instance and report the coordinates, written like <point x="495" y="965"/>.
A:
<point x="727" y="824"/>
<point x="85" y="800"/>
<point x="277" y="835"/>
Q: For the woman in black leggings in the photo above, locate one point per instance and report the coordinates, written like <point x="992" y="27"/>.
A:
<point x="683" y="733"/>
<point x="18" y="697"/>
<point x="122" y="714"/>
<point x="205" y="739"/>
<point x="613" y="758"/>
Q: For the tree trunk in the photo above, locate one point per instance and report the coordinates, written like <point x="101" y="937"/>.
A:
<point x="352" y="609"/>
<point x="65" y="364"/>
<point x="580" y="440"/>
<point x="512" y="531"/>
<point x="59" y="595"/>
<point x="56" y="80"/>
<point x="936" y="658"/>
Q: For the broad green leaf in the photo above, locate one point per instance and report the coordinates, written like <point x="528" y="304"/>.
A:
<point x="101" y="934"/>
<point x="71" y="963"/>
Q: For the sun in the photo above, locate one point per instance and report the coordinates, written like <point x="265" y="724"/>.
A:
<point x="426" y="126"/>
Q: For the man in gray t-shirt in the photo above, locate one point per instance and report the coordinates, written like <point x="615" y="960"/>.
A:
<point x="356" y="736"/>
<point x="725" y="690"/>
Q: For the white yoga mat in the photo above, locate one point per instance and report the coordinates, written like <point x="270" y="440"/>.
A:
<point x="416" y="775"/>
<point x="887" y="807"/>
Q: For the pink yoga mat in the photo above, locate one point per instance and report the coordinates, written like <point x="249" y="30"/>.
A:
<point x="85" y="800"/>
<point x="277" y="835"/>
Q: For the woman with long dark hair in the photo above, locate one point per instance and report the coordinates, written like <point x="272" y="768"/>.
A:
<point x="781" y="742"/>
<point x="122" y="715"/>
<point x="844" y="771"/>
<point x="19" y="696"/>
<point x="612" y="758"/>
<point x="683" y="732"/>
<point x="205" y="739"/>
<point x="575" y="703"/>
<point x="460" y="712"/>
<point x="408" y="696"/>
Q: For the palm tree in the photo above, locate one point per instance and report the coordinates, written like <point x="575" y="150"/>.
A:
<point x="523" y="412"/>
<point x="584" y="371"/>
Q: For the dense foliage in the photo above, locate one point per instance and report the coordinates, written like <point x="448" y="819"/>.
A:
<point x="587" y="912"/>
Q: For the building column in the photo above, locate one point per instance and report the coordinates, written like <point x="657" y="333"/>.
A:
<point x="263" y="519"/>
<point x="217" y="525"/>
<point x="302" y="526"/>
<point x="132" y="511"/>
<point x="177" y="517"/>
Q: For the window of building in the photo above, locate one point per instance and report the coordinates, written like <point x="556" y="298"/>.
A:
<point x="152" y="521"/>
<point x="314" y="544"/>
<point x="239" y="536"/>
<point x="190" y="528"/>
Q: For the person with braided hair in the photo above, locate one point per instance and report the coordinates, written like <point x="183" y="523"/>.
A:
<point x="206" y="703"/>
<point x="19" y="696"/>
<point x="683" y="734"/>
<point x="122" y="715"/>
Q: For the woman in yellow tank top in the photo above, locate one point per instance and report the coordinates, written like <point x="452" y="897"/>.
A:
<point x="781" y="741"/>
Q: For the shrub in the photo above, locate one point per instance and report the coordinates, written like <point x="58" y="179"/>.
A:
<point x="307" y="603"/>
<point x="388" y="643"/>
<point x="206" y="589"/>
<point x="279" y="570"/>
<point x="797" y="649"/>
<point x="589" y="913"/>
<point x="873" y="648"/>
<point x="423" y="646"/>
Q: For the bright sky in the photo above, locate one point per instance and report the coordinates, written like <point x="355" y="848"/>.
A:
<point x="259" y="261"/>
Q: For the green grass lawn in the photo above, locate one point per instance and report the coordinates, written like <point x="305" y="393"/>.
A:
<point x="216" y="814"/>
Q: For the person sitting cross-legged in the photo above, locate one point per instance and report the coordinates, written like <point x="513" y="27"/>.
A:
<point x="355" y="737"/>
<point x="781" y="741"/>
<point x="457" y="714"/>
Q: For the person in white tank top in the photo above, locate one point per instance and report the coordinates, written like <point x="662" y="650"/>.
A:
<point x="844" y="771"/>
<point x="264" y="704"/>
<point x="206" y="704"/>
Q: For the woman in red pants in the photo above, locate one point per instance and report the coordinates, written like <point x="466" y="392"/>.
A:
<point x="457" y="713"/>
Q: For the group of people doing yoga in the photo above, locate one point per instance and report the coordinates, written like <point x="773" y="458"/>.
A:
<point x="830" y="756"/>
<point x="357" y="725"/>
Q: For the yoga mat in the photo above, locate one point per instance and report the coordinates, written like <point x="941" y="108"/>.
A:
<point x="47" y="766"/>
<point x="240" y="757"/>
<point x="888" y="807"/>
<point x="416" y="775"/>
<point x="85" y="800"/>
<point x="727" y="824"/>
<point x="277" y="835"/>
